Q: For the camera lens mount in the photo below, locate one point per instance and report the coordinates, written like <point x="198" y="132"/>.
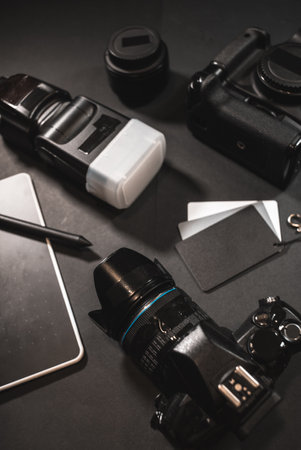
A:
<point x="280" y="69"/>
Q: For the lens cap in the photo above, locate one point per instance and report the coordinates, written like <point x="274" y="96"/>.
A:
<point x="280" y="69"/>
<point x="137" y="63"/>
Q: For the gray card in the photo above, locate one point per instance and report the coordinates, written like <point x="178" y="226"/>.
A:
<point x="228" y="248"/>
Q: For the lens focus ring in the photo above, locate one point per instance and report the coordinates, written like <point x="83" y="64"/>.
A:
<point x="157" y="329"/>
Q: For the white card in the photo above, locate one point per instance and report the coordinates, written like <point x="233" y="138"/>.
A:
<point x="192" y="227"/>
<point x="196" y="210"/>
<point x="202" y="215"/>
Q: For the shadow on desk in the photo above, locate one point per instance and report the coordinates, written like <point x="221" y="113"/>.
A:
<point x="154" y="216"/>
<point x="38" y="383"/>
<point x="169" y="106"/>
<point x="85" y="254"/>
<point x="151" y="219"/>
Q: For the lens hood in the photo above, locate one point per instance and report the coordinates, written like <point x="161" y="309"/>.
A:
<point x="123" y="282"/>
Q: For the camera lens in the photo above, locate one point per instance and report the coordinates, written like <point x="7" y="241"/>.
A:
<point x="123" y="283"/>
<point x="143" y="309"/>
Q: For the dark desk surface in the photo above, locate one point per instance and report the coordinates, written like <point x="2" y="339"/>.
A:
<point x="105" y="402"/>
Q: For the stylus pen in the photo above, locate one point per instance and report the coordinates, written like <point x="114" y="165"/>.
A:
<point x="32" y="229"/>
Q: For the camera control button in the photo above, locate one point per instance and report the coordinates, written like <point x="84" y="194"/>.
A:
<point x="292" y="332"/>
<point x="266" y="345"/>
<point x="261" y="319"/>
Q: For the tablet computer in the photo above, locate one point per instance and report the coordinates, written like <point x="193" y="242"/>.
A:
<point x="38" y="332"/>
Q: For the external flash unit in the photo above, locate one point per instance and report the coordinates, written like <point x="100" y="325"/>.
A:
<point x="112" y="156"/>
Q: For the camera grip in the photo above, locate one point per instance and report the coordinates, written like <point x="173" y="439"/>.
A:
<point x="238" y="49"/>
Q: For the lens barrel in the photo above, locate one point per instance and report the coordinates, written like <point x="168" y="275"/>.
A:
<point x="123" y="283"/>
<point x="144" y="310"/>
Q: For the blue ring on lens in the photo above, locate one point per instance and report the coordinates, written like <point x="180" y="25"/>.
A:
<point x="143" y="311"/>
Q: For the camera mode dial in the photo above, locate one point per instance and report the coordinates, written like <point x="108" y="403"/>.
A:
<point x="266" y="345"/>
<point x="280" y="68"/>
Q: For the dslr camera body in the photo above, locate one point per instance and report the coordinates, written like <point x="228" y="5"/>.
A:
<point x="247" y="104"/>
<point x="212" y="380"/>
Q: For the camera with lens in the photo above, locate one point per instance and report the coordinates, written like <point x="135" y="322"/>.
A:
<point x="247" y="104"/>
<point x="212" y="380"/>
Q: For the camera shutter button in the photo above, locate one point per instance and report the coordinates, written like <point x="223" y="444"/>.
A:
<point x="265" y="345"/>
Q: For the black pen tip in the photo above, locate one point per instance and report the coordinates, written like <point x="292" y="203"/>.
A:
<point x="84" y="242"/>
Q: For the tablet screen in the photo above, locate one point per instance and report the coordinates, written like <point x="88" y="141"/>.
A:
<point x="38" y="333"/>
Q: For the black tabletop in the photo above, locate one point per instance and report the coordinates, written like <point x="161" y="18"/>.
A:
<point x="104" y="402"/>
